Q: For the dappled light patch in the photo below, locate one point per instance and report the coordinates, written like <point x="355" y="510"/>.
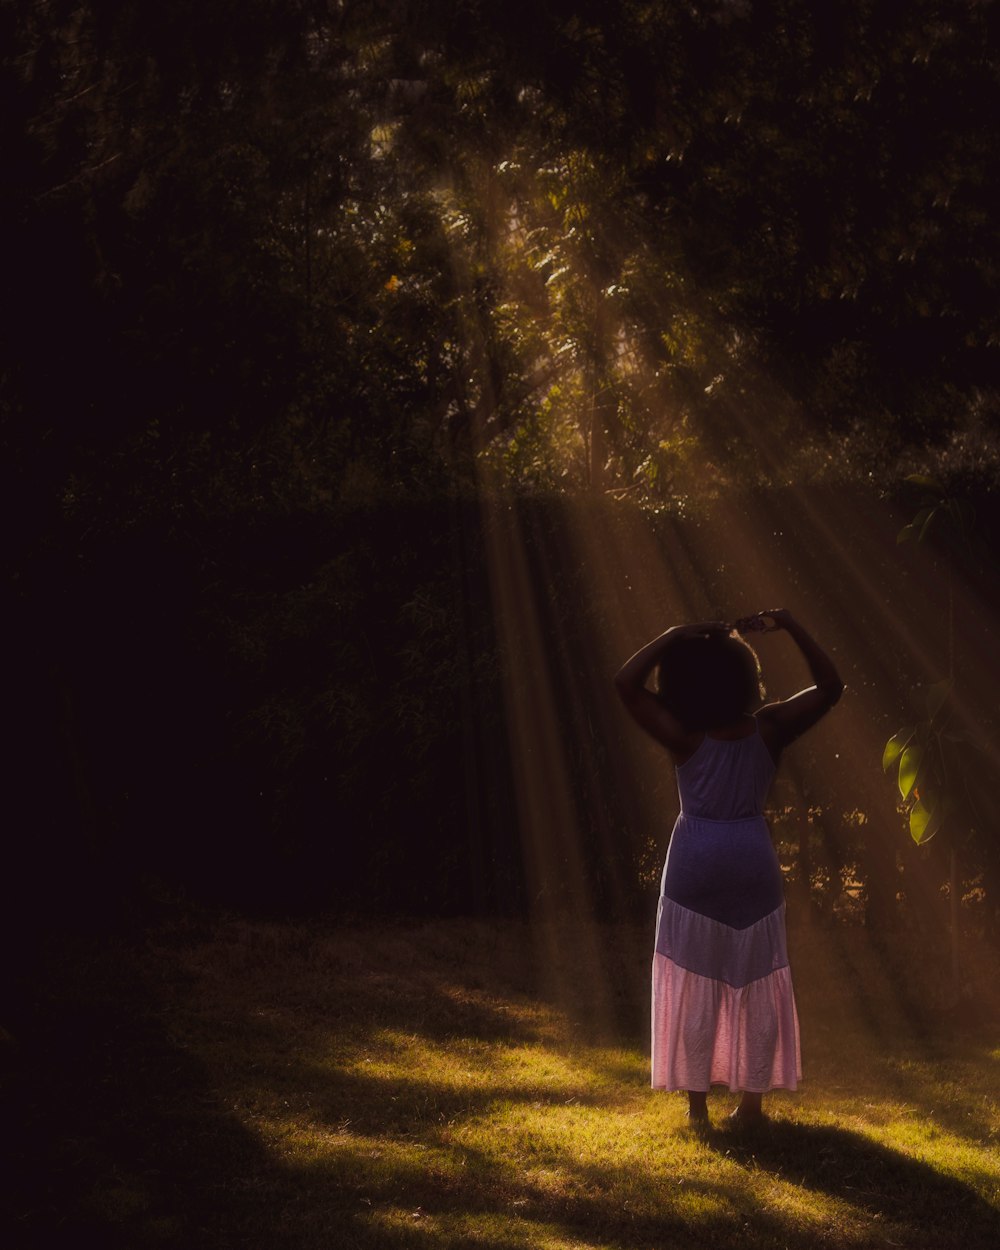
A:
<point x="469" y="1063"/>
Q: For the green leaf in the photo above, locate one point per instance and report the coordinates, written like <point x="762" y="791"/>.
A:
<point x="924" y="823"/>
<point x="928" y="793"/>
<point x="894" y="747"/>
<point x="936" y="696"/>
<point x="928" y="483"/>
<point x="918" y="527"/>
<point x="909" y="767"/>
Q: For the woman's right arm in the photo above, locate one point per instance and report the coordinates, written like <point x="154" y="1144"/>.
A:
<point x="643" y="706"/>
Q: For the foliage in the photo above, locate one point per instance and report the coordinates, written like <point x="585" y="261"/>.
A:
<point x="593" y="244"/>
<point x="921" y="755"/>
<point x="939" y="510"/>
<point x="933" y="758"/>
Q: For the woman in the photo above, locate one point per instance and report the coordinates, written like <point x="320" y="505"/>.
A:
<point x="723" y="1008"/>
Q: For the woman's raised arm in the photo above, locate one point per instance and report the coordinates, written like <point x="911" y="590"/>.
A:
<point x="792" y="717"/>
<point x="643" y="706"/>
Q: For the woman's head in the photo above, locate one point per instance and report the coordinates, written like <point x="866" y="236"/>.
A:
<point x="709" y="679"/>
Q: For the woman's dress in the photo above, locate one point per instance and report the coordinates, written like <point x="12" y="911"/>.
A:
<point x="723" y="1007"/>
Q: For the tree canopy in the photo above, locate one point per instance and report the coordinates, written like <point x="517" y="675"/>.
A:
<point x="322" y="249"/>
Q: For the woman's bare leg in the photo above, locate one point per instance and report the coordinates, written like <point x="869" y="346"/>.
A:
<point x="697" y="1105"/>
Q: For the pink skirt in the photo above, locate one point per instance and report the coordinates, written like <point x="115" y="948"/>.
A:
<point x="723" y="1008"/>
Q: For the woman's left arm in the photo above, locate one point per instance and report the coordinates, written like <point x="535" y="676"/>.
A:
<point x="792" y="717"/>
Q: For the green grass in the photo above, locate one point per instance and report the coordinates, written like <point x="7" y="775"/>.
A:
<point x="462" y="1084"/>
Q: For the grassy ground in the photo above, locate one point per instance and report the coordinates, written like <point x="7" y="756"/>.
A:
<point x="226" y="1084"/>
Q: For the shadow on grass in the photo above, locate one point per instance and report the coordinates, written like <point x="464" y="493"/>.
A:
<point x="112" y="1133"/>
<point x="892" y="1199"/>
<point x="934" y="1209"/>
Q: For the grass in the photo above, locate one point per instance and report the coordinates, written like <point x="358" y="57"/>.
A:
<point x="463" y="1084"/>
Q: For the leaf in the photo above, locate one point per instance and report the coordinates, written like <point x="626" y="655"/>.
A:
<point x="928" y="483"/>
<point x="936" y="696"/>
<point x="909" y="767"/>
<point x="924" y="823"/>
<point x="928" y="793"/>
<point x="894" y="747"/>
<point x="918" y="527"/>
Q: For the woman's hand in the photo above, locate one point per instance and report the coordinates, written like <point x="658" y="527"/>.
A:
<point x="765" y="622"/>
<point x="780" y="618"/>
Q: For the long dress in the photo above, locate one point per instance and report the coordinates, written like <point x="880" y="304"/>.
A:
<point x="723" y="1009"/>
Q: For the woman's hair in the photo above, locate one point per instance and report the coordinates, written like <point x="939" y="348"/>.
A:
<point x="709" y="680"/>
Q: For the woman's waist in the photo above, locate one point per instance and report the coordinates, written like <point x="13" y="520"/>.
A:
<point x="746" y="818"/>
